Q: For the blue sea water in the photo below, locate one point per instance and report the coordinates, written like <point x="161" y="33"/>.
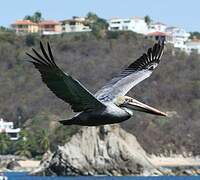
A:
<point x="25" y="176"/>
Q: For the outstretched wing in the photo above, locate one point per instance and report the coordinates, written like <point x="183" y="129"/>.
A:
<point x="135" y="73"/>
<point x="62" y="84"/>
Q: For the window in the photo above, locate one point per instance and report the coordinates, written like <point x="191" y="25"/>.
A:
<point x="127" y="21"/>
<point x="125" y="28"/>
<point x="114" y="28"/>
<point x="116" y="22"/>
<point x="13" y="135"/>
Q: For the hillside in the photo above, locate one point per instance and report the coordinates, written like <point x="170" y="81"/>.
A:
<point x="173" y="87"/>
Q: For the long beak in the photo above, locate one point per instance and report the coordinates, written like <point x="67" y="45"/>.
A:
<point x="138" y="106"/>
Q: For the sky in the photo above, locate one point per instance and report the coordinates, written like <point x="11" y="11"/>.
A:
<point x="181" y="13"/>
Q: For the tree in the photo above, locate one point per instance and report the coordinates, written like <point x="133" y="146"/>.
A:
<point x="44" y="141"/>
<point x="92" y="17"/>
<point x="36" y="17"/>
<point x="194" y="35"/>
<point x="97" y="24"/>
<point x="5" y="29"/>
<point x="23" y="145"/>
<point x="4" y="143"/>
<point x="28" y="17"/>
<point x="148" y="20"/>
<point x="23" y="149"/>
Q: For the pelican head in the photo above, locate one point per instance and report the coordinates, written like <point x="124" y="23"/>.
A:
<point x="133" y="104"/>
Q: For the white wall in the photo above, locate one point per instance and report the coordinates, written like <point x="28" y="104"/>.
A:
<point x="193" y="46"/>
<point x="178" y="37"/>
<point x="129" y="24"/>
<point x="157" y="27"/>
<point x="75" y="28"/>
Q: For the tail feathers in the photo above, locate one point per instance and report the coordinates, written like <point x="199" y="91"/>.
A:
<point x="67" y="122"/>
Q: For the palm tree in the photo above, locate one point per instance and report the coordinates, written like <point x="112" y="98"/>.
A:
<point x="23" y="145"/>
<point x="23" y="149"/>
<point x="44" y="141"/>
<point x="4" y="143"/>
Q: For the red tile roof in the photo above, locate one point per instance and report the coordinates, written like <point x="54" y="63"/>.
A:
<point x="158" y="23"/>
<point x="49" y="22"/>
<point x="137" y="18"/>
<point x="157" y="33"/>
<point x="195" y="39"/>
<point x="24" y="22"/>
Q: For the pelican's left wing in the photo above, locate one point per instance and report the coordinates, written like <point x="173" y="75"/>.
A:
<point x="135" y="73"/>
<point x="62" y="84"/>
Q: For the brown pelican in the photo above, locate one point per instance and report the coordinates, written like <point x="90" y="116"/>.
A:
<point x="109" y="105"/>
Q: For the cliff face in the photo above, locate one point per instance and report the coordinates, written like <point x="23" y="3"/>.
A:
<point x="106" y="150"/>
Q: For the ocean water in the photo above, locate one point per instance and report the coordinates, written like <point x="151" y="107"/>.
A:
<point x="24" y="176"/>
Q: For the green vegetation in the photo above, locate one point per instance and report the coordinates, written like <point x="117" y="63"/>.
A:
<point x="4" y="143"/>
<point x="23" y="145"/>
<point x="24" y="99"/>
<point x="44" y="141"/>
<point x="98" y="25"/>
<point x="194" y="35"/>
<point x="36" y="17"/>
<point x="5" y="29"/>
<point x="148" y="20"/>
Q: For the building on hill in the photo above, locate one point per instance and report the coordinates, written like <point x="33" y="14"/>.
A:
<point x="25" y="26"/>
<point x="157" y="35"/>
<point x="178" y="37"/>
<point x="193" y="46"/>
<point x="135" y="24"/>
<point x="8" y="128"/>
<point x="158" y="26"/>
<point x="46" y="27"/>
<point x="76" y="24"/>
<point x="50" y="27"/>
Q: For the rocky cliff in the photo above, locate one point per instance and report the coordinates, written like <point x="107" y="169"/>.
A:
<point x="106" y="150"/>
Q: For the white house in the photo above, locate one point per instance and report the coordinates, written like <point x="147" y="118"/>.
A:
<point x="135" y="24"/>
<point x="193" y="46"/>
<point x="157" y="27"/>
<point x="8" y="128"/>
<point x="177" y="36"/>
<point x="76" y="24"/>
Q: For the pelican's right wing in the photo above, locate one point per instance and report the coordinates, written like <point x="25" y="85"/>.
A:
<point x="132" y="75"/>
<point x="62" y="84"/>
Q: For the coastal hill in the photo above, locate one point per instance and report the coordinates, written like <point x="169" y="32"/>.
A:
<point x="173" y="87"/>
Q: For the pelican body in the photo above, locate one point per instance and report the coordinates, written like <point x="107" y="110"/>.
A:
<point x="109" y="105"/>
<point x="109" y="115"/>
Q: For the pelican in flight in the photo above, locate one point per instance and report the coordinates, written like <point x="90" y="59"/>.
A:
<point x="109" y="105"/>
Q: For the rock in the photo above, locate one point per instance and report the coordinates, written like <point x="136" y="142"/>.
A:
<point x="6" y="159"/>
<point x="44" y="163"/>
<point x="105" y="150"/>
<point x="13" y="165"/>
<point x="185" y="171"/>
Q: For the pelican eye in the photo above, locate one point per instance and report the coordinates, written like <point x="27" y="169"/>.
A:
<point x="128" y="100"/>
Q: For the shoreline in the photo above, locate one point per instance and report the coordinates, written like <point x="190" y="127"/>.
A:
<point x="24" y="166"/>
<point x="175" y="161"/>
<point x="29" y="164"/>
<point x="158" y="162"/>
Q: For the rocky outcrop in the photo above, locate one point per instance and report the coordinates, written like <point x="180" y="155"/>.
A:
<point x="106" y="150"/>
<point x="6" y="159"/>
<point x="13" y="165"/>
